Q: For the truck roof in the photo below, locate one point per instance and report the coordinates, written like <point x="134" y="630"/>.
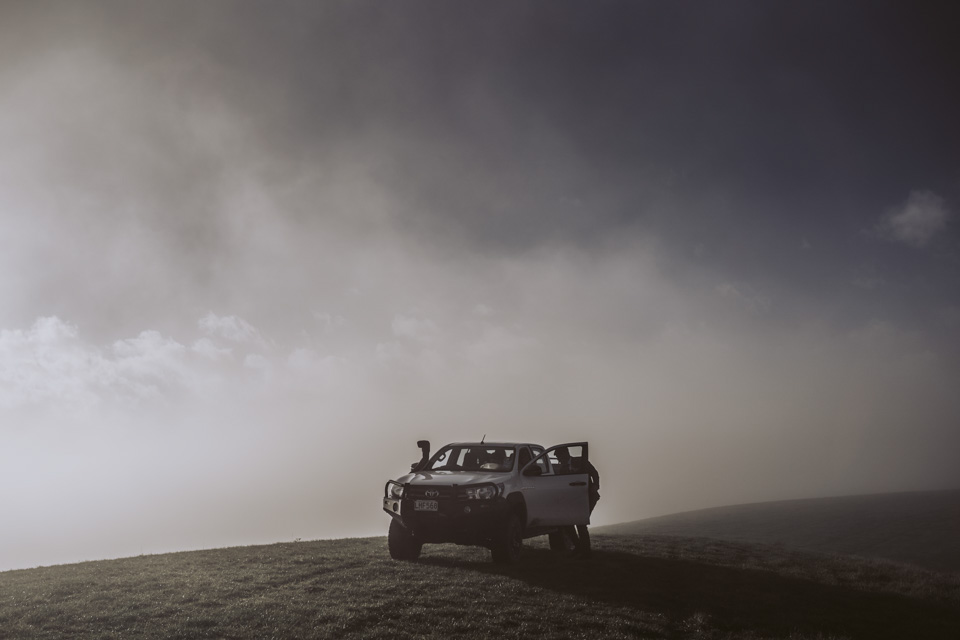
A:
<point x="493" y="444"/>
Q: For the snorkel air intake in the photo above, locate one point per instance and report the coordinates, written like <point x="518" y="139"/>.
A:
<point x="425" y="448"/>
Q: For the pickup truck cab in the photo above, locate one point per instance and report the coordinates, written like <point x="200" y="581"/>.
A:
<point x="491" y="494"/>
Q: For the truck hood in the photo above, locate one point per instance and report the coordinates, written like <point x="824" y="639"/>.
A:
<point x="446" y="478"/>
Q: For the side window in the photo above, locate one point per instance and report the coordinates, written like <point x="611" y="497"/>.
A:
<point x="562" y="459"/>
<point x="541" y="462"/>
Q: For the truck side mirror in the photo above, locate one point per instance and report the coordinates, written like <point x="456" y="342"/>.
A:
<point x="533" y="471"/>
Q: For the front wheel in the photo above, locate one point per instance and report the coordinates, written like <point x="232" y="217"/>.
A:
<point x="402" y="544"/>
<point x="509" y="547"/>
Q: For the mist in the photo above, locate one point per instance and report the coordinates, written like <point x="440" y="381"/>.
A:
<point x="248" y="258"/>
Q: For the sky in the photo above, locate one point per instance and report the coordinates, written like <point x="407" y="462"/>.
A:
<point x="250" y="253"/>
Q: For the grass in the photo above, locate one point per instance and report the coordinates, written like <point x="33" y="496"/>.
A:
<point x="921" y="528"/>
<point x="633" y="586"/>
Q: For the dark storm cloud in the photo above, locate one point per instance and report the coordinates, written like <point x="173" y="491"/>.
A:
<point x="581" y="118"/>
<point x="515" y="123"/>
<point x="736" y="134"/>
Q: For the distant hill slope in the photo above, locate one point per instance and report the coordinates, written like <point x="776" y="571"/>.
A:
<point x="921" y="528"/>
<point x="631" y="587"/>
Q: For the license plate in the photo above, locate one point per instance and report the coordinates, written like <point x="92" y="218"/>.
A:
<point x="425" y="505"/>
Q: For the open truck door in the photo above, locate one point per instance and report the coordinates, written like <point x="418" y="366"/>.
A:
<point x="556" y="487"/>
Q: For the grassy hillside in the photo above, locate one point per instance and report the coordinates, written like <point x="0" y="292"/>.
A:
<point x="633" y="586"/>
<point x="922" y="528"/>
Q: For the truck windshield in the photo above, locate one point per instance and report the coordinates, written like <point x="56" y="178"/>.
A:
<point x="472" y="458"/>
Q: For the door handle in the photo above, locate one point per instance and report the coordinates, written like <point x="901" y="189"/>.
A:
<point x="578" y="484"/>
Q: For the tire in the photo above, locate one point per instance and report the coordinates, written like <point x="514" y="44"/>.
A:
<point x="583" y="542"/>
<point x="401" y="543"/>
<point x="509" y="547"/>
<point x="563" y="542"/>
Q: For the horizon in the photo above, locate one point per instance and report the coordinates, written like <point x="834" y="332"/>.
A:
<point x="249" y="256"/>
<point x="380" y="534"/>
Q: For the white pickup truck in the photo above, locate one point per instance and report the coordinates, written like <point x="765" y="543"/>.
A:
<point x="494" y="495"/>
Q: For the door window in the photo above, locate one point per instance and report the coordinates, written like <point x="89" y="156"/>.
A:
<point x="568" y="459"/>
<point x="563" y="459"/>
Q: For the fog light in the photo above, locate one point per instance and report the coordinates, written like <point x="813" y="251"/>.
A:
<point x="466" y="509"/>
<point x="396" y="507"/>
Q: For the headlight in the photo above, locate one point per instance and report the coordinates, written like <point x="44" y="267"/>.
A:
<point x="395" y="491"/>
<point x="485" y="492"/>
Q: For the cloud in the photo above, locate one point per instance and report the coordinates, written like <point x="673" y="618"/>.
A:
<point x="209" y="349"/>
<point x="915" y="224"/>
<point x="232" y="328"/>
<point x="149" y="363"/>
<point x="50" y="364"/>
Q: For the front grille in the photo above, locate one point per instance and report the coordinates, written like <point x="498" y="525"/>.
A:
<point x="419" y="492"/>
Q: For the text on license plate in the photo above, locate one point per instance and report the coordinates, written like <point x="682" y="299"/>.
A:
<point x="425" y="505"/>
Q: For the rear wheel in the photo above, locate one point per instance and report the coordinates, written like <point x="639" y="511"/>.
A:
<point x="402" y="544"/>
<point x="509" y="547"/>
